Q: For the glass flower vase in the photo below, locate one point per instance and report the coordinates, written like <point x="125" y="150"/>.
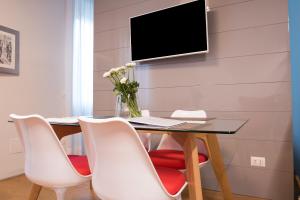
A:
<point x="129" y="108"/>
<point x="133" y="107"/>
<point x="119" y="108"/>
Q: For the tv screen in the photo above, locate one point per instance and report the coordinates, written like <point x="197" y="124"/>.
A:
<point x="176" y="31"/>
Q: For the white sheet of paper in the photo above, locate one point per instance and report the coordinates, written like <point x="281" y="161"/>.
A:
<point x="196" y="122"/>
<point x="156" y="121"/>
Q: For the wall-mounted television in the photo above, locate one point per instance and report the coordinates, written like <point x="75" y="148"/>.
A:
<point x="175" y="31"/>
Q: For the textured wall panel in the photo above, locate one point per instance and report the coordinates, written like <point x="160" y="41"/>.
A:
<point x="246" y="75"/>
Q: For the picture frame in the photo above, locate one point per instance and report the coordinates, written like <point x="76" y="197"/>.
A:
<point x="9" y="50"/>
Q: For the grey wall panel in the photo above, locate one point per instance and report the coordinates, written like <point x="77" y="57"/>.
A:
<point x="261" y="126"/>
<point x="237" y="152"/>
<point x="104" y="60"/>
<point x="120" y="18"/>
<point x="249" y="69"/>
<point x="104" y="100"/>
<point x="109" y="5"/>
<point x="250" y="41"/>
<point x="224" y="3"/>
<point x="245" y="75"/>
<point x="256" y="14"/>
<point x="245" y="69"/>
<point x="101" y="84"/>
<point x="243" y="97"/>
<point x="253" y="13"/>
<point x="102" y="6"/>
<point x="269" y="184"/>
<point x="113" y="39"/>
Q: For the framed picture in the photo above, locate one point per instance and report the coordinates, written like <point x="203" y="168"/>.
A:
<point x="9" y="50"/>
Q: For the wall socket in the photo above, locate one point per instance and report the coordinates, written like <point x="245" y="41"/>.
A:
<point x="258" y="161"/>
<point x="15" y="146"/>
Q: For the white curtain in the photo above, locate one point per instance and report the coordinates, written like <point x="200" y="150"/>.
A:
<point x="82" y="86"/>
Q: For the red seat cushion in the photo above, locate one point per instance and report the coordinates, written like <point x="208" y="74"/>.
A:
<point x="172" y="179"/>
<point x="171" y="158"/>
<point x="81" y="164"/>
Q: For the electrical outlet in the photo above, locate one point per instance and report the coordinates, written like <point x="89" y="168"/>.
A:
<point x="258" y="161"/>
<point x="15" y="146"/>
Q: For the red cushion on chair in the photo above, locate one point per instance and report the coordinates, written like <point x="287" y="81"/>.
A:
<point x="172" y="179"/>
<point x="81" y="164"/>
<point x="171" y="158"/>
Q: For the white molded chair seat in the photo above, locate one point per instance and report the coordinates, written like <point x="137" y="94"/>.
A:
<point x="169" y="153"/>
<point x="122" y="167"/>
<point x="46" y="163"/>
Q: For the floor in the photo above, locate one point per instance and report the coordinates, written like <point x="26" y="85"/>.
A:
<point x="18" y="188"/>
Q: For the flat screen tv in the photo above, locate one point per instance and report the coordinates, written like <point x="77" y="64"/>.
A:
<point x="175" y="31"/>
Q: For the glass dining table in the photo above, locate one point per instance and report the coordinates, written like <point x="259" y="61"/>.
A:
<point x="186" y="135"/>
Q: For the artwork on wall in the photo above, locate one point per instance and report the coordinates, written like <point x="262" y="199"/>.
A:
<point x="9" y="50"/>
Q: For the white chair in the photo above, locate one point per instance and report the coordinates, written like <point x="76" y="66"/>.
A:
<point x="46" y="163"/>
<point x="122" y="168"/>
<point x="169" y="153"/>
<point x="145" y="138"/>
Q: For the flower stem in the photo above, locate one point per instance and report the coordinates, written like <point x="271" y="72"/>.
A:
<point x="133" y="106"/>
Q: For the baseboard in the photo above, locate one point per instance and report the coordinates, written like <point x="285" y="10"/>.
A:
<point x="12" y="174"/>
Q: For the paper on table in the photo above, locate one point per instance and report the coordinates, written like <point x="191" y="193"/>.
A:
<point x="195" y="122"/>
<point x="63" y="120"/>
<point x="156" y="121"/>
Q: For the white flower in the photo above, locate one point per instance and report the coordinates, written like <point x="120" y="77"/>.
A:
<point x="106" y="74"/>
<point x="122" y="68"/>
<point x="123" y="80"/>
<point x="113" y="70"/>
<point x="130" y="64"/>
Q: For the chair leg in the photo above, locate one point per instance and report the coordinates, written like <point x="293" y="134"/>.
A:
<point x="60" y="193"/>
<point x="35" y="191"/>
<point x="91" y="186"/>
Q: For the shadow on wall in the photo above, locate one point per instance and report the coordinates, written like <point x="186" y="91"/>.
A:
<point x="176" y="60"/>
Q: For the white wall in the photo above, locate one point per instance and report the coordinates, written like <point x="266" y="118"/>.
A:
<point x="43" y="85"/>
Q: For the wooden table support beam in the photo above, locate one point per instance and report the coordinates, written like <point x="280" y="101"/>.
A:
<point x="35" y="191"/>
<point x="218" y="165"/>
<point x="190" y="149"/>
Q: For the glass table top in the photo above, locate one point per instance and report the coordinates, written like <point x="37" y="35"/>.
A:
<point x="220" y="126"/>
<point x="196" y="125"/>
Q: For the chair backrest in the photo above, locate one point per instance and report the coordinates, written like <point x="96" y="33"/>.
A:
<point x="167" y="142"/>
<point x="122" y="167"/>
<point x="46" y="163"/>
<point x="88" y="144"/>
<point x="90" y="151"/>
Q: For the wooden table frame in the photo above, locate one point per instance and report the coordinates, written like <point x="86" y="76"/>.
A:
<point x="190" y="149"/>
<point x="188" y="143"/>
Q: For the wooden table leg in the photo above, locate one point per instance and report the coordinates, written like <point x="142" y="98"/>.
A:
<point x="188" y="143"/>
<point x="218" y="165"/>
<point x="35" y="191"/>
<point x="62" y="131"/>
